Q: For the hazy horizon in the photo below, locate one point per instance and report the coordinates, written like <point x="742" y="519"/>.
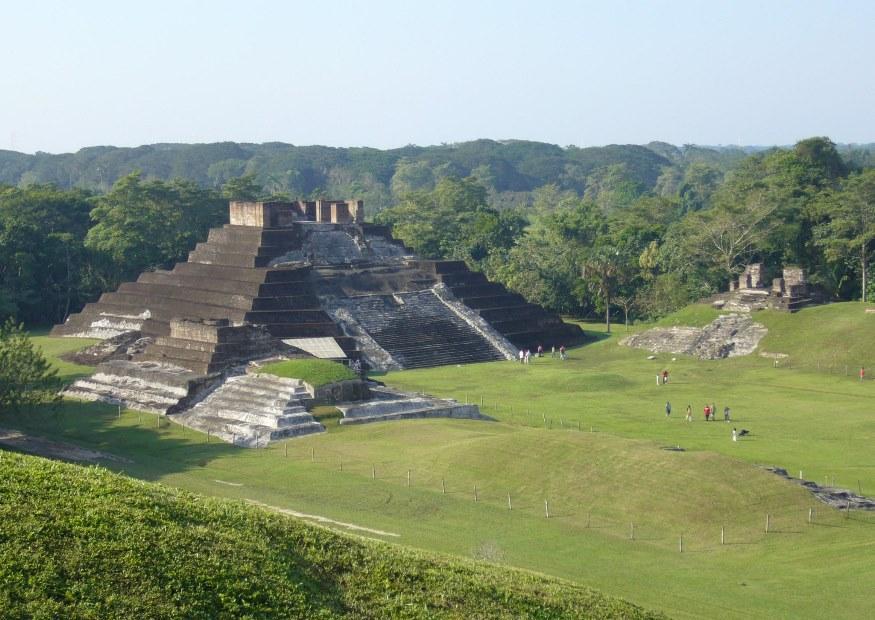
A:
<point x="742" y="147"/>
<point x="388" y="74"/>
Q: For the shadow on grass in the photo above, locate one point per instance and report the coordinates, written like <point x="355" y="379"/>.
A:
<point x="155" y="446"/>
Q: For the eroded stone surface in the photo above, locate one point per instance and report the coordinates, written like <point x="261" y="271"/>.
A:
<point x="388" y="404"/>
<point x="251" y="410"/>
<point x="729" y="335"/>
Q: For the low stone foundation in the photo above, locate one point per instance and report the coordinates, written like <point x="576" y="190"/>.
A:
<point x="391" y="405"/>
<point x="729" y="335"/>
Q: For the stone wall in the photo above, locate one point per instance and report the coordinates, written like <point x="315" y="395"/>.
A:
<point x="282" y="214"/>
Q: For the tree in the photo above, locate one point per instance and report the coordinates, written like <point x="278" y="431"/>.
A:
<point x="140" y="224"/>
<point x="452" y="221"/>
<point x="850" y="227"/>
<point x="43" y="261"/>
<point x="242" y="188"/>
<point x="545" y="263"/>
<point x="26" y="378"/>
<point x="601" y="269"/>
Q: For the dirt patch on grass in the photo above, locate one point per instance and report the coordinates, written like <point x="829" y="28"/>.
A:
<point x="54" y="449"/>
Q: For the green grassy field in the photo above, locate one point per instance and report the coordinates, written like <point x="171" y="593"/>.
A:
<point x="120" y="549"/>
<point x="587" y="436"/>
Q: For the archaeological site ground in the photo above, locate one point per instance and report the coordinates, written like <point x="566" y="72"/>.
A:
<point x="667" y="514"/>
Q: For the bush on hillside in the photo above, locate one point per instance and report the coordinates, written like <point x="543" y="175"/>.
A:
<point x="26" y="378"/>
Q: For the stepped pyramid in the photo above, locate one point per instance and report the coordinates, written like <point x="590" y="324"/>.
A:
<point x="313" y="269"/>
<point x="252" y="410"/>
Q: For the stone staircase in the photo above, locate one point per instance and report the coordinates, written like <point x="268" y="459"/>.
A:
<point x="525" y="325"/>
<point x="389" y="405"/>
<point x="418" y="330"/>
<point x="144" y="386"/>
<point x="253" y="409"/>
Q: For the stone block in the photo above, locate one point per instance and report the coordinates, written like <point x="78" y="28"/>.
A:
<point x="794" y="276"/>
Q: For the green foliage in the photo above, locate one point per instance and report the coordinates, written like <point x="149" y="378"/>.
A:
<point x="242" y="188"/>
<point x="116" y="548"/>
<point x="26" y="378"/>
<point x="452" y="221"/>
<point x="316" y="372"/>
<point x="848" y="228"/>
<point x="45" y="269"/>
<point x="142" y="225"/>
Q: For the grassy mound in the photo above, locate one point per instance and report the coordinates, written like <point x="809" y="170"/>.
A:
<point x="694" y="315"/>
<point x="83" y="542"/>
<point x="316" y="372"/>
<point x="822" y="337"/>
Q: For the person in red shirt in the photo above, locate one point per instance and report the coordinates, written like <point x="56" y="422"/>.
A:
<point x="862" y="373"/>
<point x="707" y="412"/>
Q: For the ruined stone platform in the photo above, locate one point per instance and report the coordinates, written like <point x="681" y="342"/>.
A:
<point x="387" y="405"/>
<point x="143" y="386"/>
<point x="251" y="410"/>
<point x="729" y="335"/>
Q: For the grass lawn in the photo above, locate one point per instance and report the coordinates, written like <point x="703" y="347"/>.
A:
<point x="316" y="372"/>
<point x="619" y="503"/>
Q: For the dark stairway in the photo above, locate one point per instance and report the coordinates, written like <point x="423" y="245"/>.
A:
<point x="525" y="325"/>
<point x="419" y="330"/>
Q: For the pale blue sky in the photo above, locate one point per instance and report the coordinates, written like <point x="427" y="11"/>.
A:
<point x="386" y="74"/>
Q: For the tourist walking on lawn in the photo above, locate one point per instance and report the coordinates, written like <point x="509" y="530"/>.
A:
<point x="553" y="351"/>
<point x="667" y="408"/>
<point x="562" y="352"/>
<point x="707" y="413"/>
<point x="664" y="377"/>
<point x="689" y="413"/>
<point x="726" y="414"/>
<point x="734" y="435"/>
<point x="522" y="356"/>
<point x="713" y="412"/>
<point x="540" y="351"/>
<point x="862" y="373"/>
<point x="658" y="379"/>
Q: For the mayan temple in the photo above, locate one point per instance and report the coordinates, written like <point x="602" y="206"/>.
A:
<point x="303" y="277"/>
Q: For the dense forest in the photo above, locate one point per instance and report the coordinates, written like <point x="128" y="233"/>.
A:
<point x="634" y="230"/>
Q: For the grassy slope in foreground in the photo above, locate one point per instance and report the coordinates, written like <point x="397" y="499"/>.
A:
<point x="84" y="542"/>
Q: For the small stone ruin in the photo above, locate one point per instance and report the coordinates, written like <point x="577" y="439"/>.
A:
<point x="750" y="292"/>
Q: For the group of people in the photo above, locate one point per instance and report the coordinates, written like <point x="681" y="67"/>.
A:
<point x="526" y="354"/>
<point x="710" y="412"/>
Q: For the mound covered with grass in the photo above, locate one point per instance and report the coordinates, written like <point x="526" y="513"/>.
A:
<point x="86" y="543"/>
<point x="314" y="371"/>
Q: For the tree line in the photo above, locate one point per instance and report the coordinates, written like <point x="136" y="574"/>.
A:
<point x="643" y="254"/>
<point x="637" y="231"/>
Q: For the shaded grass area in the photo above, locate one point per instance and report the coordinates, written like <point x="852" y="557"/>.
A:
<point x="316" y="372"/>
<point x="118" y="548"/>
